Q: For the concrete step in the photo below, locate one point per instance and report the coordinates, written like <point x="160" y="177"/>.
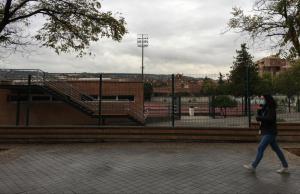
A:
<point x="133" y="131"/>
<point x="96" y="134"/>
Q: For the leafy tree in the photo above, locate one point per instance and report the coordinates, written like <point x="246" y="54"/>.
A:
<point x="238" y="74"/>
<point x="221" y="79"/>
<point x="243" y="76"/>
<point x="223" y="87"/>
<point x="285" y="84"/>
<point x="209" y="87"/>
<point x="265" y="85"/>
<point x="277" y="20"/>
<point x="295" y="70"/>
<point x="69" y="25"/>
<point x="223" y="102"/>
<point x="296" y="75"/>
<point x="288" y="83"/>
<point x="242" y="68"/>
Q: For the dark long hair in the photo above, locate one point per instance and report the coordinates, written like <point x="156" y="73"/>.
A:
<point x="270" y="102"/>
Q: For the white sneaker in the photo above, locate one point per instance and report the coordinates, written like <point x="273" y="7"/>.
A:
<point x="249" y="167"/>
<point x="283" y="170"/>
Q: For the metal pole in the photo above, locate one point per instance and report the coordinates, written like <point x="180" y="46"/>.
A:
<point x="142" y="41"/>
<point x="28" y="100"/>
<point x="18" y="110"/>
<point x="248" y="97"/>
<point x="213" y="106"/>
<point x="173" y="102"/>
<point x="298" y="105"/>
<point x="179" y="106"/>
<point x="209" y="107"/>
<point x="143" y="57"/>
<point x="100" y="100"/>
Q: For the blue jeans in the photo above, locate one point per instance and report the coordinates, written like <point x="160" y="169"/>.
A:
<point x="264" y="142"/>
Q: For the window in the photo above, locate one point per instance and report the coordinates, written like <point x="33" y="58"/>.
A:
<point x="40" y="98"/>
<point x="15" y="98"/>
<point x="22" y="98"/>
<point x="109" y="98"/>
<point x="126" y="98"/>
<point x="118" y="98"/>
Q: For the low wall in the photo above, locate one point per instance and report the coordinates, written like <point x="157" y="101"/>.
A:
<point x="137" y="134"/>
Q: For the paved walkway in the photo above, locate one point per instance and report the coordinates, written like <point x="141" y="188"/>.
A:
<point x="142" y="168"/>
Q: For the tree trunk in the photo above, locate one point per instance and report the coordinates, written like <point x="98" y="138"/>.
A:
<point x="292" y="33"/>
<point x="5" y="19"/>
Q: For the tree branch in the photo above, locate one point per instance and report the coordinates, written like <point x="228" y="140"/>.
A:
<point x="28" y="15"/>
<point x="22" y="4"/>
<point x="275" y="34"/>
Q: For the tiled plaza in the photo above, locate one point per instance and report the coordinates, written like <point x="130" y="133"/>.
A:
<point x="142" y="168"/>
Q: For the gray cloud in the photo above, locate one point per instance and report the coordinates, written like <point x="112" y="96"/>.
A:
<point x="185" y="37"/>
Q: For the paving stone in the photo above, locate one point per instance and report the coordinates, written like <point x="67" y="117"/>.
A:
<point x="143" y="168"/>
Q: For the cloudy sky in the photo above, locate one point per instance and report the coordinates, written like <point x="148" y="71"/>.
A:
<point x="185" y="37"/>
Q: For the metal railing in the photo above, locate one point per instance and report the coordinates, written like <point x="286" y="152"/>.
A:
<point x="53" y="82"/>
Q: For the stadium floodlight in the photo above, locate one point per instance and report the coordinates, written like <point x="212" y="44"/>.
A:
<point x="142" y="41"/>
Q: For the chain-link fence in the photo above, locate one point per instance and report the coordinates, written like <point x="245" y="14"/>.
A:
<point x="196" y="103"/>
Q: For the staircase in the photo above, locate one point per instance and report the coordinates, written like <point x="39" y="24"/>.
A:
<point x="59" y="87"/>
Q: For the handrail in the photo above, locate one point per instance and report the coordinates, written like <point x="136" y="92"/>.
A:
<point x="76" y="95"/>
<point x="40" y="77"/>
<point x="137" y="113"/>
<point x="56" y="83"/>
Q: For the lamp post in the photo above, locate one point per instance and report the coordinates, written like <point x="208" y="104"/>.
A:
<point x="142" y="41"/>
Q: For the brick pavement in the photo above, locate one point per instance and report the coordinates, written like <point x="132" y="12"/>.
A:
<point x="142" y="168"/>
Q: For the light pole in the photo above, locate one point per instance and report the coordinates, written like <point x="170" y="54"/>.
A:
<point x="142" y="41"/>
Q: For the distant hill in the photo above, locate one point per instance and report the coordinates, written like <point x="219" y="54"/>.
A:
<point x="131" y="76"/>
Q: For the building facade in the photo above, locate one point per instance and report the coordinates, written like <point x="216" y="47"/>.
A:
<point x="273" y="65"/>
<point x="75" y="102"/>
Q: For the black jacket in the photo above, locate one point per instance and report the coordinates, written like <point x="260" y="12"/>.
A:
<point x="267" y="117"/>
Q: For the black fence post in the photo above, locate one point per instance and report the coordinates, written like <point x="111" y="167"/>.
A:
<point x="100" y="100"/>
<point x="248" y="100"/>
<point x="298" y="103"/>
<point x="173" y="100"/>
<point x="179" y="107"/>
<point x="249" y="111"/>
<point x="18" y="110"/>
<point x="213" y="108"/>
<point x="28" y="100"/>
<point x="209" y="106"/>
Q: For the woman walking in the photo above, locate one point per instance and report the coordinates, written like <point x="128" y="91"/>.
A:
<point x="268" y="130"/>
